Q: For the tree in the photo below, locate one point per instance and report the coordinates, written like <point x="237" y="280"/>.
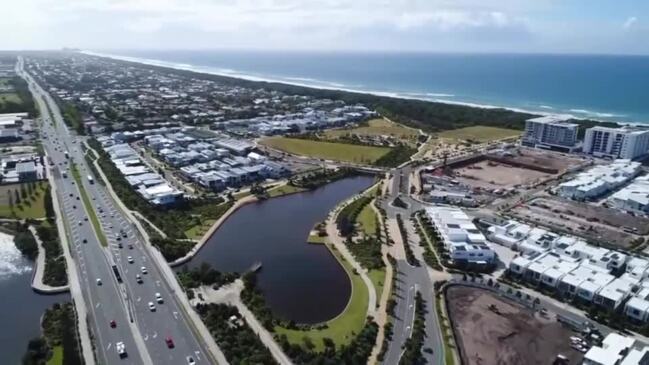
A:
<point x="17" y="195"/>
<point x="11" y="200"/>
<point x="23" y="191"/>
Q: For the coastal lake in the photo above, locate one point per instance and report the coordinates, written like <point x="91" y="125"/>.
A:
<point x="300" y="281"/>
<point x="20" y="307"/>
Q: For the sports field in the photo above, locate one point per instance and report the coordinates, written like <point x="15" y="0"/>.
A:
<point x="480" y="133"/>
<point x="327" y="150"/>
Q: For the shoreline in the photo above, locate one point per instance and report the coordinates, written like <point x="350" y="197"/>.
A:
<point x="543" y="110"/>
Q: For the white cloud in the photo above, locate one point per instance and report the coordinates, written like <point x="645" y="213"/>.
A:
<point x="629" y="22"/>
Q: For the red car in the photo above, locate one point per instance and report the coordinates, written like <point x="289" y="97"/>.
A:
<point x="113" y="324"/>
<point x="170" y="342"/>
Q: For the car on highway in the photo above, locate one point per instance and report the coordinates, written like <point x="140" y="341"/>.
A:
<point x="190" y="361"/>
<point x="151" y="307"/>
<point x="84" y="241"/>
<point x="80" y="223"/>
<point x="144" y="270"/>
<point x="170" y="342"/>
<point x="118" y="237"/>
<point x="121" y="349"/>
<point x="130" y="246"/>
<point x="158" y="298"/>
<point x="130" y="259"/>
<point x="138" y="278"/>
<point x="85" y="219"/>
<point x="112" y="323"/>
<point x="99" y="281"/>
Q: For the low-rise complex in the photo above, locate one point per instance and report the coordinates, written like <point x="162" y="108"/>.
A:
<point x="599" y="180"/>
<point x="464" y="242"/>
<point x="633" y="197"/>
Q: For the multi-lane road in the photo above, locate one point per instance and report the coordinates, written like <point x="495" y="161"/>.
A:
<point x="408" y="281"/>
<point x="124" y="298"/>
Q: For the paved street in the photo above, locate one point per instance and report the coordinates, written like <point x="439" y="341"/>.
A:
<point x="410" y="280"/>
<point x="142" y="330"/>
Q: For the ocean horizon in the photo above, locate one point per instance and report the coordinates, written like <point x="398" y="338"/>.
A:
<point x="601" y="87"/>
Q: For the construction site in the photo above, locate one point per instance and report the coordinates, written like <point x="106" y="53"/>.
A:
<point x="490" y="330"/>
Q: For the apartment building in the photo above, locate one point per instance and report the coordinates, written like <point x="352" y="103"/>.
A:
<point x="625" y="143"/>
<point x="552" y="133"/>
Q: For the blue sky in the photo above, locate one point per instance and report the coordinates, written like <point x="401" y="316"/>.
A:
<point x="543" y="26"/>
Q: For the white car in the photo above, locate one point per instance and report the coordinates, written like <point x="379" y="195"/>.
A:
<point x="151" y="307"/>
<point x="144" y="270"/>
<point x="130" y="259"/>
<point x="190" y="361"/>
<point x="99" y="281"/>
<point x="121" y="349"/>
<point x="158" y="298"/>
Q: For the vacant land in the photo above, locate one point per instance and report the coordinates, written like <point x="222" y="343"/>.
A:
<point x="510" y="334"/>
<point x="480" y="133"/>
<point x="30" y="206"/>
<point x="377" y="127"/>
<point x="327" y="150"/>
<point x="493" y="175"/>
<point x="343" y="328"/>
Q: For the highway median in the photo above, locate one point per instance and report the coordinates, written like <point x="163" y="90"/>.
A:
<point x="92" y="216"/>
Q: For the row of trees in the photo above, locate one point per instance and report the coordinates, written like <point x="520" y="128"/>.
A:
<point x="204" y="274"/>
<point x="315" y="179"/>
<point x="173" y="220"/>
<point x="412" y="354"/>
<point x="25" y="195"/>
<point x="410" y="256"/>
<point x="346" y="218"/>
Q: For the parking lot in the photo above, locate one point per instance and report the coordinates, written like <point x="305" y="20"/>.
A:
<point x="493" y="330"/>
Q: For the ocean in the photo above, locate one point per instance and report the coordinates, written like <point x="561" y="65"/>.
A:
<point x="611" y="88"/>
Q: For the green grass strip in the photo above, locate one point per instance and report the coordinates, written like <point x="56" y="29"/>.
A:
<point x="86" y="202"/>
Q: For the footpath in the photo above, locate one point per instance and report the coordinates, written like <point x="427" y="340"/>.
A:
<point x="37" y="279"/>
<point x="231" y="295"/>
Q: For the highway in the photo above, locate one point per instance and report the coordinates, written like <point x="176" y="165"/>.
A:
<point x="125" y="301"/>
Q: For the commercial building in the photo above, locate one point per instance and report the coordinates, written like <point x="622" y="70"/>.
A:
<point x="599" y="180"/>
<point x="552" y="133"/>
<point x="461" y="238"/>
<point x="626" y="142"/>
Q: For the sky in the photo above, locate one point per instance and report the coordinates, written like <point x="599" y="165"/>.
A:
<point x="525" y="26"/>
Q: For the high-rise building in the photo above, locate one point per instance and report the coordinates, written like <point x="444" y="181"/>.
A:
<point x="551" y="132"/>
<point x="625" y="143"/>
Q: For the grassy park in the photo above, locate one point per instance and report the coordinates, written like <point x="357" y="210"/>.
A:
<point x="367" y="220"/>
<point x="327" y="150"/>
<point x="343" y="328"/>
<point x="20" y="201"/>
<point x="284" y="190"/>
<point x="480" y="133"/>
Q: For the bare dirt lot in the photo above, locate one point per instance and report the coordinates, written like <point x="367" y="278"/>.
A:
<point x="514" y="335"/>
<point x="589" y="221"/>
<point x="555" y="160"/>
<point x="493" y="175"/>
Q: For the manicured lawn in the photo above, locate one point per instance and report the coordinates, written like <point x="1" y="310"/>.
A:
<point x="57" y="356"/>
<point x="480" y="133"/>
<point x="315" y="239"/>
<point x="377" y="127"/>
<point x="343" y="328"/>
<point x="31" y="207"/>
<point x="196" y="232"/>
<point x="89" y="208"/>
<point x="327" y="150"/>
<point x="367" y="220"/>
<point x="283" y="190"/>
<point x="377" y="276"/>
<point x="9" y="97"/>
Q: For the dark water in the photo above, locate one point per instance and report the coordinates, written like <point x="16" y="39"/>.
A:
<point x="300" y="281"/>
<point x="593" y="86"/>
<point x="20" y="307"/>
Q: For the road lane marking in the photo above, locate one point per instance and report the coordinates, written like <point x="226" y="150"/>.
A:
<point x="108" y="347"/>
<point x="97" y="306"/>
<point x="175" y="314"/>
